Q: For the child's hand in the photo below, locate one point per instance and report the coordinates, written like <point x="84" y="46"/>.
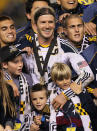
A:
<point x="1" y="128"/>
<point x="34" y="127"/>
<point x="37" y="120"/>
<point x="77" y="89"/>
<point x="59" y="101"/>
<point x="7" y="128"/>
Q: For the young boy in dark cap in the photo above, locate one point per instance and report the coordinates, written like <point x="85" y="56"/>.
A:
<point x="12" y="64"/>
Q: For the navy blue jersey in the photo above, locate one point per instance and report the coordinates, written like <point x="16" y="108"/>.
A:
<point x="25" y="38"/>
<point x="59" y="11"/>
<point x="24" y="30"/>
<point x="90" y="54"/>
<point x="90" y="13"/>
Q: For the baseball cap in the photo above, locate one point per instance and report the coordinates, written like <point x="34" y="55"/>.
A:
<point x="8" y="53"/>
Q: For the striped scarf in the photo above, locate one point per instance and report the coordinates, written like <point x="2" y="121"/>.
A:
<point x="24" y="112"/>
<point x="77" y="108"/>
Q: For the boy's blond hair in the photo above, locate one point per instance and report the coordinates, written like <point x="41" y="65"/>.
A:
<point x="60" y="71"/>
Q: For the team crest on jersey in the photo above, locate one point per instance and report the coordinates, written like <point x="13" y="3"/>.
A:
<point x="28" y="37"/>
<point x="86" y="2"/>
<point x="92" y="38"/>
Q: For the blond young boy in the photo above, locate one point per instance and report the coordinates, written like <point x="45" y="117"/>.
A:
<point x="78" y="112"/>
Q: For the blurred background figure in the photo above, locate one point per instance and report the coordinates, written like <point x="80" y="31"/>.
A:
<point x="15" y="9"/>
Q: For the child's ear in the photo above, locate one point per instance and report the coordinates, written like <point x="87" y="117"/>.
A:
<point x="5" y="65"/>
<point x="58" y="2"/>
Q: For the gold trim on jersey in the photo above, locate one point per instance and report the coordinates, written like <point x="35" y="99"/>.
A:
<point x="45" y="46"/>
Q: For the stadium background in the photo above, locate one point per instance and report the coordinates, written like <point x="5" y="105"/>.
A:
<point x="15" y="9"/>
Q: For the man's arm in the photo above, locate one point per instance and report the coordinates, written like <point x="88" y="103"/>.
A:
<point x="90" y="12"/>
<point x="81" y="67"/>
<point x="89" y="106"/>
<point x="87" y="103"/>
<point x="88" y="16"/>
<point x="85" y="76"/>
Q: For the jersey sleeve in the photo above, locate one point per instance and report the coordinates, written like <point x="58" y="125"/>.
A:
<point x="81" y="67"/>
<point x="90" y="12"/>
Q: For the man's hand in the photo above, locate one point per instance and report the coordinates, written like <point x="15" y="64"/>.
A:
<point x="95" y="92"/>
<point x="90" y="28"/>
<point x="76" y="88"/>
<point x="60" y="28"/>
<point x="59" y="101"/>
<point x="63" y="16"/>
<point x="29" y="50"/>
<point x="34" y="127"/>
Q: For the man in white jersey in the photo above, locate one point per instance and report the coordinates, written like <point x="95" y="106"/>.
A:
<point x="45" y="24"/>
<point x="49" y="49"/>
<point x="60" y="52"/>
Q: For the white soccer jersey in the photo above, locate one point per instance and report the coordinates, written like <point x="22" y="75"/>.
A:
<point x="62" y="52"/>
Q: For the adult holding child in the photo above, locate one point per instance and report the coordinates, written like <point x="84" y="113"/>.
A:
<point x="79" y="112"/>
<point x="47" y="43"/>
<point x="75" y="35"/>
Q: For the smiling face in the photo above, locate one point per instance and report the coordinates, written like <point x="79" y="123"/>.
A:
<point x="7" y="32"/>
<point x="68" y="4"/>
<point x="36" y="5"/>
<point x="15" y="66"/>
<point x="45" y="27"/>
<point x="75" y="30"/>
<point x="64" y="84"/>
<point x="39" y="99"/>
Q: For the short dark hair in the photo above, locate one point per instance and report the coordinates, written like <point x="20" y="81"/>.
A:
<point x="67" y="18"/>
<point x="29" y="4"/>
<point x="39" y="87"/>
<point x="5" y="17"/>
<point x="43" y="11"/>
